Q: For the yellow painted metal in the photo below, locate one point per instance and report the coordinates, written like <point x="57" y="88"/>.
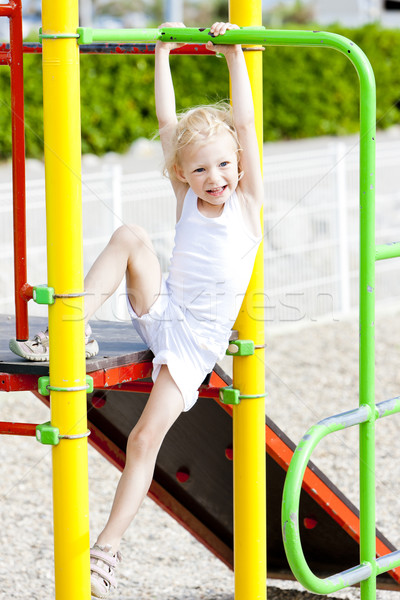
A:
<point x="61" y="106"/>
<point x="249" y="377"/>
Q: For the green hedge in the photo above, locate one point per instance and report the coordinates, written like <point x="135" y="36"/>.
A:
<point x="312" y="91"/>
<point x="307" y="92"/>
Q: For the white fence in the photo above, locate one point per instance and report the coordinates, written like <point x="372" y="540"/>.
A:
<point x="311" y="229"/>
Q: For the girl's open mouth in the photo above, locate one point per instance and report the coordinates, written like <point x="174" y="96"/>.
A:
<point x="217" y="191"/>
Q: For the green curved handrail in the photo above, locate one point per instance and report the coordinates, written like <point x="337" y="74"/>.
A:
<point x="291" y="501"/>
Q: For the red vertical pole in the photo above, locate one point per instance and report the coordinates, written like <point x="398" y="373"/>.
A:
<point x="18" y="169"/>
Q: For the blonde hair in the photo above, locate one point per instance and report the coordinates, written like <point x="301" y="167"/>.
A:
<point x="198" y="125"/>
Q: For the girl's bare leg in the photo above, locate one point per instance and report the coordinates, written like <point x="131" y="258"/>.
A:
<point x="164" y="405"/>
<point x="129" y="253"/>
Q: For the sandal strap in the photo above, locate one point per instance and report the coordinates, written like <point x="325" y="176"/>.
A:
<point x="107" y="576"/>
<point x="109" y="559"/>
<point x="42" y="336"/>
<point x="88" y="333"/>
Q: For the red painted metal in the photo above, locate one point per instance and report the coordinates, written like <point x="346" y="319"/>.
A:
<point x="18" y="382"/>
<point x="125" y="378"/>
<point x="141" y="387"/>
<point x="26" y="291"/>
<point x="5" y="58"/>
<point x="120" y="376"/>
<point x="145" y="387"/>
<point x="10" y="428"/>
<point x="14" y="11"/>
<point x="109" y="48"/>
<point x="117" y="377"/>
<point x="6" y="10"/>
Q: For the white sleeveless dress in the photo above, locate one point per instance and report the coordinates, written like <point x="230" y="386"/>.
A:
<point x="189" y="325"/>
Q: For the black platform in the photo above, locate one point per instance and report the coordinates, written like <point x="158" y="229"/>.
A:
<point x="119" y="344"/>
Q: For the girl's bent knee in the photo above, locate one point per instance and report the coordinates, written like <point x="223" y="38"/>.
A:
<point x="130" y="236"/>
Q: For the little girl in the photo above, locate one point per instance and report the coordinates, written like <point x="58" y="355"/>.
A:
<point x="212" y="159"/>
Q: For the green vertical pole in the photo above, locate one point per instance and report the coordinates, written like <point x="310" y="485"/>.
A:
<point x="367" y="328"/>
<point x="367" y="294"/>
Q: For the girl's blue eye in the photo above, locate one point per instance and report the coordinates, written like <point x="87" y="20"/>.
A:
<point x="224" y="163"/>
<point x="199" y="170"/>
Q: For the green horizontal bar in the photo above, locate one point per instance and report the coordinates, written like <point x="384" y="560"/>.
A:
<point x="387" y="407"/>
<point x="244" y="35"/>
<point x="387" y="562"/>
<point x="88" y="35"/>
<point x="260" y="36"/>
<point x="193" y="35"/>
<point x="176" y="34"/>
<point x="391" y="250"/>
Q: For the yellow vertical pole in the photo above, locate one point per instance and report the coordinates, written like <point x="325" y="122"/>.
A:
<point x="61" y="107"/>
<point x="249" y="378"/>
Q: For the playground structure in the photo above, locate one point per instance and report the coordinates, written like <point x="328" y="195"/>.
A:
<point x="128" y="372"/>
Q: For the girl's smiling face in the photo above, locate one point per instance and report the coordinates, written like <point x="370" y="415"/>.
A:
<point x="210" y="168"/>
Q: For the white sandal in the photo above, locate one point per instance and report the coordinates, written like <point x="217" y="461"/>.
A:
<point x="102" y="570"/>
<point x="37" y="349"/>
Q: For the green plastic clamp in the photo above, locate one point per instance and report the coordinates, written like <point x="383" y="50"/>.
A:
<point x="230" y="395"/>
<point x="240" y="348"/>
<point x="85" y="35"/>
<point x="44" y="386"/>
<point x="47" y="434"/>
<point x="42" y="294"/>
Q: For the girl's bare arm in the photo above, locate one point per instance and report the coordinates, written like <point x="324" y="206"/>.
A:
<point x="165" y="101"/>
<point x="251" y="184"/>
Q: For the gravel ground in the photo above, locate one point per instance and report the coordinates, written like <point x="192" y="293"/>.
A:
<point x="311" y="373"/>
